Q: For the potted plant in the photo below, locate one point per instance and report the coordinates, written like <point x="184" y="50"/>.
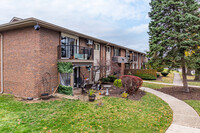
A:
<point x="91" y="95"/>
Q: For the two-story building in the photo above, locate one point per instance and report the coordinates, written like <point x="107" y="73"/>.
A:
<point x="31" y="48"/>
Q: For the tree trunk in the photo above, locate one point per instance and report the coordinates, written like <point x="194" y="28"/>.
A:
<point x="185" y="84"/>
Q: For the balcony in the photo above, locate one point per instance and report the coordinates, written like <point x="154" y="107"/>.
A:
<point x="75" y="53"/>
<point x="133" y="59"/>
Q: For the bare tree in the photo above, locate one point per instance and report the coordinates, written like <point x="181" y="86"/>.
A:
<point x="102" y="66"/>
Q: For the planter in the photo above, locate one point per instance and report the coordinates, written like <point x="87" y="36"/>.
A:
<point x="92" y="97"/>
<point x="44" y="96"/>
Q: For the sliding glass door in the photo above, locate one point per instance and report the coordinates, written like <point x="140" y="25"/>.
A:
<point x="68" y="47"/>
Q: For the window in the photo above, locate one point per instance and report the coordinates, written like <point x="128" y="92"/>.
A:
<point x="116" y="52"/>
<point x="127" y="66"/>
<point x="135" y="57"/>
<point x="108" y="68"/>
<point x="68" y="47"/>
<point x="108" y="49"/>
<point x="127" y="53"/>
<point x="97" y="46"/>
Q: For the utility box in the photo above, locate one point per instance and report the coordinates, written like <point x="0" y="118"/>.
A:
<point x="120" y="59"/>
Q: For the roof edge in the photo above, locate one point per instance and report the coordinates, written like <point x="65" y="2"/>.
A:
<point x="31" y="21"/>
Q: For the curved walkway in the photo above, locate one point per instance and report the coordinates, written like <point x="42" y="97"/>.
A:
<point x="185" y="118"/>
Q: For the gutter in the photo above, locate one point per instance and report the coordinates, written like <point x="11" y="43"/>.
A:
<point x="1" y="63"/>
<point x="32" y="21"/>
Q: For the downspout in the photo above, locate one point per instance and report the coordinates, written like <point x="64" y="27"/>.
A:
<point x="1" y="63"/>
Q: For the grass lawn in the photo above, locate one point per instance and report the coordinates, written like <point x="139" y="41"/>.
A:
<point x="195" y="104"/>
<point x="118" y="115"/>
<point x="168" y="79"/>
<point x="190" y="78"/>
<point x="154" y="86"/>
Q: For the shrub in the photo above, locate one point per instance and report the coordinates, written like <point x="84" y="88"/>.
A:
<point x="131" y="83"/>
<point x="118" y="83"/>
<point x="112" y="78"/>
<point x="91" y="92"/>
<point x="124" y="95"/>
<point x="164" y="73"/>
<point x="103" y="80"/>
<point x="158" y="75"/>
<point x="145" y="76"/>
<point x="65" y="90"/>
<point x="160" y="69"/>
<point x="65" y="67"/>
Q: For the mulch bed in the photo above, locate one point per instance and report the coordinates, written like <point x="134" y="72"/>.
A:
<point x="116" y="92"/>
<point x="180" y="93"/>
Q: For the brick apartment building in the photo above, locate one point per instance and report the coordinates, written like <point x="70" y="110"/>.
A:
<point x="31" y="48"/>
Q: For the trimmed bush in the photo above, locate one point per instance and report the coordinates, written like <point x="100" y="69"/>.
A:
<point x="112" y="78"/>
<point x="118" y="83"/>
<point x="103" y="80"/>
<point x="164" y="73"/>
<point x="65" y="90"/>
<point x="131" y="83"/>
<point x="146" y="76"/>
<point x="160" y="69"/>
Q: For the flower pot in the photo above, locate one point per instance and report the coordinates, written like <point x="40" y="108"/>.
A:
<point x="92" y="98"/>
<point x="44" y="96"/>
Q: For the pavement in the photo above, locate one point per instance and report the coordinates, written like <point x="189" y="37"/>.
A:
<point x="177" y="79"/>
<point x="185" y="118"/>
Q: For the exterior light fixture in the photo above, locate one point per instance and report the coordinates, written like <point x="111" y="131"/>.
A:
<point x="37" y="27"/>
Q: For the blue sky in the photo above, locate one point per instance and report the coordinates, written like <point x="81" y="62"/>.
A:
<point x="124" y="22"/>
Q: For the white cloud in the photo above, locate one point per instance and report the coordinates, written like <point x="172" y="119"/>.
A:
<point x="139" y="29"/>
<point x="98" y="18"/>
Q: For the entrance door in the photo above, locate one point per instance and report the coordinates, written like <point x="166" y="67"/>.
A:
<point x="76" y="77"/>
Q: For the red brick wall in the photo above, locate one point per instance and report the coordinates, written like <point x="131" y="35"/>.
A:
<point x="28" y="56"/>
<point x="47" y="75"/>
<point x="20" y="52"/>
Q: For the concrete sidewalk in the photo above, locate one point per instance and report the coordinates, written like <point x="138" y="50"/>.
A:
<point x="177" y="79"/>
<point x="185" y="118"/>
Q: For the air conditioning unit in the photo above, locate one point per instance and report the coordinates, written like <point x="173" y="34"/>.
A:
<point x="89" y="42"/>
<point x="120" y="59"/>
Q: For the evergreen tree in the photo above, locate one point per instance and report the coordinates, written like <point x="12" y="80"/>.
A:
<point x="193" y="62"/>
<point x="174" y="29"/>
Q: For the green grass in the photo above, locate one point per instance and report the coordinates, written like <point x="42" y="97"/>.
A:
<point x="118" y="115"/>
<point x="155" y="86"/>
<point x="168" y="79"/>
<point x="190" y="78"/>
<point x="194" y="104"/>
<point x="194" y="83"/>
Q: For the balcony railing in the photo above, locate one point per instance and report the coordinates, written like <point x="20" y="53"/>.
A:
<point x="75" y="52"/>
